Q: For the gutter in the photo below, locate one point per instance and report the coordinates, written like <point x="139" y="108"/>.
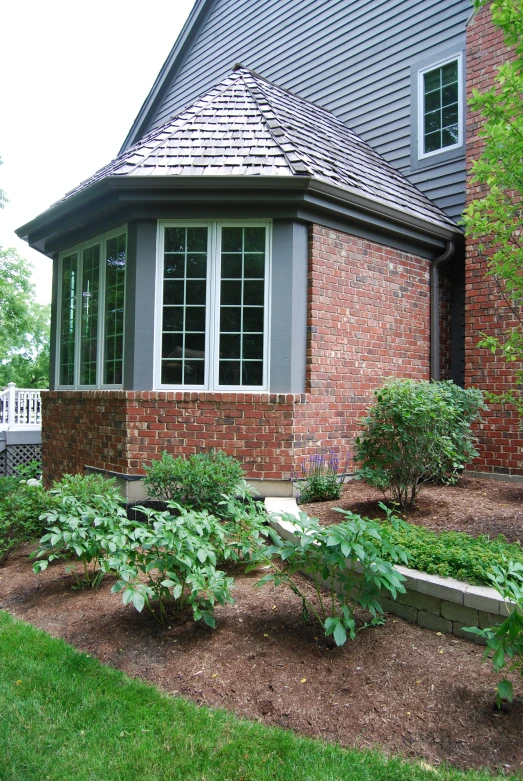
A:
<point x="434" y="308"/>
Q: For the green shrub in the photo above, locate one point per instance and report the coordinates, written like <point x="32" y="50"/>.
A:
<point x="173" y="558"/>
<point x="318" y="479"/>
<point x="505" y="642"/>
<point x="30" y="471"/>
<point x="245" y="526"/>
<point x="21" y="507"/>
<point x="197" y="483"/>
<point x="417" y="432"/>
<point x="87" y="522"/>
<point x="348" y="559"/>
<point x="453" y="554"/>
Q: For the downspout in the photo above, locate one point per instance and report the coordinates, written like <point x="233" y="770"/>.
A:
<point x="434" y="308"/>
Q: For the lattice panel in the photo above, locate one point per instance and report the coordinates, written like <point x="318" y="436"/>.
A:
<point x="18" y="455"/>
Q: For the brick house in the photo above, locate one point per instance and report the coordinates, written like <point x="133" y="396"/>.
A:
<point x="249" y="269"/>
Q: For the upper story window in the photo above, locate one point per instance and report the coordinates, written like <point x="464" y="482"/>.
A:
<point x="91" y="313"/>
<point x="439" y="107"/>
<point x="212" y="327"/>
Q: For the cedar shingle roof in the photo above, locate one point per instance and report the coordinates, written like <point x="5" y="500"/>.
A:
<point x="247" y="126"/>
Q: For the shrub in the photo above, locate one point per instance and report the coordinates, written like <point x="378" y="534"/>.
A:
<point x="198" y="482"/>
<point x="88" y="521"/>
<point x="177" y="556"/>
<point x="454" y="554"/>
<point x="347" y="559"/>
<point x="245" y="526"/>
<point x="21" y="507"/>
<point x="417" y="432"/>
<point x="30" y="471"/>
<point x="318" y="479"/>
<point x="505" y="642"/>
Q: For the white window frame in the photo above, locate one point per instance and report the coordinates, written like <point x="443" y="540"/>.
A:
<point x="422" y="155"/>
<point x="212" y="305"/>
<point x="79" y="249"/>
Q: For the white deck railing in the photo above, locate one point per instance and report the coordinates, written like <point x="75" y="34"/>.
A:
<point x="20" y="407"/>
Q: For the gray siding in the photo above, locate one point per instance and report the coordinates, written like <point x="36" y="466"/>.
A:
<point x="354" y="58"/>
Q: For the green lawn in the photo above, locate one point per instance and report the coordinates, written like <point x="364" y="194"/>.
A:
<point x="66" y="717"/>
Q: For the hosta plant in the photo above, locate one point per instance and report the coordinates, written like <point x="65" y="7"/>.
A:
<point x="172" y="559"/>
<point x="505" y="642"/>
<point x="345" y="559"/>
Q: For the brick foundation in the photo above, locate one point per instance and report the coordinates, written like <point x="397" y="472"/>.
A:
<point x="500" y="440"/>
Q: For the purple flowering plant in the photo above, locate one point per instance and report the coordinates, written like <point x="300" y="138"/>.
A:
<point x="319" y="479"/>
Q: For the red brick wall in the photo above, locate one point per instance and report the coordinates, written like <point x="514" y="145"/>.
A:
<point x="368" y="319"/>
<point x="501" y="444"/>
<point x="120" y="430"/>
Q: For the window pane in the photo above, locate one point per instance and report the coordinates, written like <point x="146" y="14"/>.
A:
<point x="232" y="239"/>
<point x="440" y="107"/>
<point x="242" y="305"/>
<point x="231" y="266"/>
<point x="449" y="72"/>
<point x="115" y="263"/>
<point x="184" y="306"/>
<point x="68" y="319"/>
<point x="89" y="315"/>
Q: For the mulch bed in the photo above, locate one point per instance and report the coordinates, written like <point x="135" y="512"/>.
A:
<point x="398" y="687"/>
<point x="475" y="506"/>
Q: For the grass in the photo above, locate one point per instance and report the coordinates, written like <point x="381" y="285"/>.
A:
<point x="455" y="554"/>
<point x="66" y="716"/>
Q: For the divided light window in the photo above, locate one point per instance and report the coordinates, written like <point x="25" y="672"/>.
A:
<point x="214" y="318"/>
<point x="440" y="108"/>
<point x="91" y="313"/>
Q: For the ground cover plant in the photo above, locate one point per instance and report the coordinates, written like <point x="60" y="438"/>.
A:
<point x="197" y="482"/>
<point x="505" y="642"/>
<point x="416" y="432"/>
<point x="452" y="554"/>
<point x="318" y="479"/>
<point x="347" y="560"/>
<point x="65" y="715"/>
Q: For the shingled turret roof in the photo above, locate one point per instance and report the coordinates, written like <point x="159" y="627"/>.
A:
<point x="247" y="126"/>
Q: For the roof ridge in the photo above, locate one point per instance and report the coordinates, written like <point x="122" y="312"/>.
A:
<point x="241" y="68"/>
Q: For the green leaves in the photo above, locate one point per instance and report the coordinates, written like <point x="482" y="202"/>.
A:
<point x="416" y="432"/>
<point x="346" y="559"/>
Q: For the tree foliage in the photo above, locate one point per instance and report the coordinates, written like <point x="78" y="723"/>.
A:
<point x="24" y="325"/>
<point x="495" y="218"/>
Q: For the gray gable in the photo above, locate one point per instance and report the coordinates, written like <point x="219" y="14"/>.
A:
<point x="246" y="126"/>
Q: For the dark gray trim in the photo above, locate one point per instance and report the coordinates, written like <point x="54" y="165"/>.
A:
<point x="434" y="161"/>
<point x="119" y="199"/>
<point x="21" y="437"/>
<point x="140" y="292"/>
<point x="288" y="307"/>
<point x="122" y="476"/>
<point x="54" y="325"/>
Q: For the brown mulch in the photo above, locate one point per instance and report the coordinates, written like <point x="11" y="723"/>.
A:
<point x="399" y="687"/>
<point x="474" y="505"/>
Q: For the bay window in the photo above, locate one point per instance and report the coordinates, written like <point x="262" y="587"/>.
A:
<point x="212" y="328"/>
<point x="91" y="313"/>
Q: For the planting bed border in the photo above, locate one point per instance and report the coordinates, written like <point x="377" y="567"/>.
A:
<point x="436" y="603"/>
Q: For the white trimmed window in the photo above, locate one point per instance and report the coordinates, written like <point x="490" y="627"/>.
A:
<point x="91" y="306"/>
<point x="440" y="122"/>
<point x="212" y="326"/>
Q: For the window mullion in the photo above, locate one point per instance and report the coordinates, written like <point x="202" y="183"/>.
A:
<point x="100" y="352"/>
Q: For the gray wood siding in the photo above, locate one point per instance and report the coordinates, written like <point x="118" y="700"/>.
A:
<point x="352" y="57"/>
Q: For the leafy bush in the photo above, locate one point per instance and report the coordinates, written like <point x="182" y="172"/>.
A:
<point x="88" y="521"/>
<point x="348" y="559"/>
<point x="198" y="482"/>
<point x="177" y="556"/>
<point x="30" y="471"/>
<point x="505" y="642"/>
<point x="417" y="432"/>
<point x="454" y="554"/>
<point x="318" y="479"/>
<point x="21" y="507"/>
<point x="245" y="526"/>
